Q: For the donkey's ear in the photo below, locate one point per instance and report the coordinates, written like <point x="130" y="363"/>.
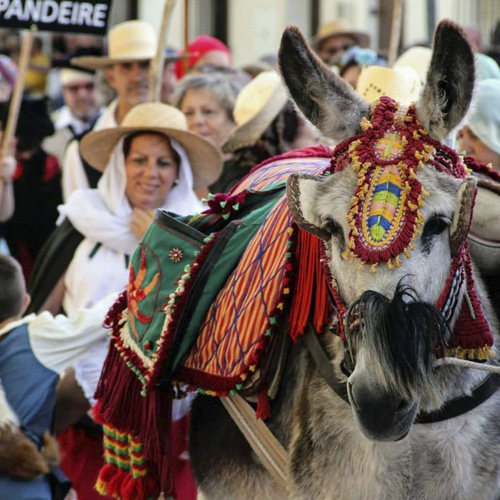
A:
<point x="326" y="100"/>
<point x="301" y="193"/>
<point x="447" y="92"/>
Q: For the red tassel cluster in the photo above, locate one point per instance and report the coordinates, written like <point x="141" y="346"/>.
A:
<point x="310" y="300"/>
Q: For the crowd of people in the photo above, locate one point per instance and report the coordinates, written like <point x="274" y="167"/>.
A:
<point x="91" y="161"/>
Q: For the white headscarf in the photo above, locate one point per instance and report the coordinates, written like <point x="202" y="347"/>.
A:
<point x="103" y="214"/>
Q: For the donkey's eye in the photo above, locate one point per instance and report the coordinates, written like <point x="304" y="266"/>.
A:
<point x="332" y="227"/>
<point x="436" y="225"/>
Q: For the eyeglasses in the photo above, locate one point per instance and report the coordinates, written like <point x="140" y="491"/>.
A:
<point x="210" y="68"/>
<point x="73" y="89"/>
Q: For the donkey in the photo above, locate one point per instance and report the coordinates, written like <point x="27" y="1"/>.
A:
<point x="410" y="429"/>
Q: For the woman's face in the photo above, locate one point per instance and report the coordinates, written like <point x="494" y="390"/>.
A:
<point x="151" y="168"/>
<point x="473" y="146"/>
<point x="206" y="116"/>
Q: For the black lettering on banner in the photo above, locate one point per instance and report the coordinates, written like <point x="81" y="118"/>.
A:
<point x="90" y="16"/>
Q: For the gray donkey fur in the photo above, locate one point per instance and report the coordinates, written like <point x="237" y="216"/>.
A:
<point x="371" y="449"/>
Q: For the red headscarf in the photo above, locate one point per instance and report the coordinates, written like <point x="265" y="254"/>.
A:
<point x="197" y="48"/>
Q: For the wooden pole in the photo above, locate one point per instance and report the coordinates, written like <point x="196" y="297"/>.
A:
<point x="397" y="16"/>
<point x="156" y="68"/>
<point x="185" y="62"/>
<point x="17" y="93"/>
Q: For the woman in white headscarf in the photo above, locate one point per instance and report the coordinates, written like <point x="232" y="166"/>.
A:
<point x="150" y="161"/>
<point x="111" y="219"/>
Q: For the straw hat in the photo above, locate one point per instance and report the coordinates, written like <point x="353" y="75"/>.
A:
<point x="338" y="27"/>
<point x="256" y="106"/>
<point x="402" y="84"/>
<point x="417" y="58"/>
<point x="206" y="161"/>
<point x="128" y="41"/>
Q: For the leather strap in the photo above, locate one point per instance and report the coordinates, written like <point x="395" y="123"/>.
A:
<point x="462" y="404"/>
<point x="311" y="340"/>
<point x="451" y="409"/>
<point x="269" y="450"/>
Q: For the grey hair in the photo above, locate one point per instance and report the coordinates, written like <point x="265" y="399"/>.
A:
<point x="224" y="86"/>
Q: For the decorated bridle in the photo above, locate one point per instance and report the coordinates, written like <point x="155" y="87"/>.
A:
<point x="385" y="219"/>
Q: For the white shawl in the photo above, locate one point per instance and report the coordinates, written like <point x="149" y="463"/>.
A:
<point x="102" y="215"/>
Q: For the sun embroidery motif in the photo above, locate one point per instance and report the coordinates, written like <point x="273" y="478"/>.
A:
<point x="136" y="294"/>
<point x="175" y="255"/>
<point x="389" y="146"/>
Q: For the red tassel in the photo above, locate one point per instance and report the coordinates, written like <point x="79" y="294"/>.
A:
<point x="263" y="407"/>
<point x="304" y="284"/>
<point x="106" y="473"/>
<point x="115" y="483"/>
<point x="156" y="435"/>
<point x="139" y="488"/>
<point x="310" y="297"/>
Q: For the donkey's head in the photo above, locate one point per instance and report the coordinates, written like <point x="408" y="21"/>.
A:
<point x="393" y="215"/>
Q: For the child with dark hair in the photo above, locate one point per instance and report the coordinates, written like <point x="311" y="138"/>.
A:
<point x="34" y="350"/>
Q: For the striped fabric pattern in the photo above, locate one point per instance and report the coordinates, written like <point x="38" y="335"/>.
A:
<point x="244" y="309"/>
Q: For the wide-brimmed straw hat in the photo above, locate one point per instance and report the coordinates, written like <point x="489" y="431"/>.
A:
<point x="338" y="27"/>
<point x="128" y="41"/>
<point x="256" y="106"/>
<point x="418" y="58"/>
<point x="206" y="161"/>
<point x="402" y="84"/>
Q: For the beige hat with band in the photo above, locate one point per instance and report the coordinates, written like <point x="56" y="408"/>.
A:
<point x="338" y="27"/>
<point x="128" y="41"/>
<point x="206" y="162"/>
<point x="256" y="106"/>
<point x="402" y="84"/>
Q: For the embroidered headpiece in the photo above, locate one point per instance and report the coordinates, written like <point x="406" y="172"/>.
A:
<point x="385" y="217"/>
<point x="385" y="212"/>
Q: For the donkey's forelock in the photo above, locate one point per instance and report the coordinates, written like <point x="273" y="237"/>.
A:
<point x="399" y="338"/>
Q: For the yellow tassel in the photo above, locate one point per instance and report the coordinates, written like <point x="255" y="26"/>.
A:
<point x="373" y="268"/>
<point x="365" y="124"/>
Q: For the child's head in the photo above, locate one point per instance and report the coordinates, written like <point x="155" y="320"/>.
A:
<point x="13" y="298"/>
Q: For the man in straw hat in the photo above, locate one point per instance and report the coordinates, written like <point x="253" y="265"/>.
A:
<point x="334" y="38"/>
<point x="131" y="46"/>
